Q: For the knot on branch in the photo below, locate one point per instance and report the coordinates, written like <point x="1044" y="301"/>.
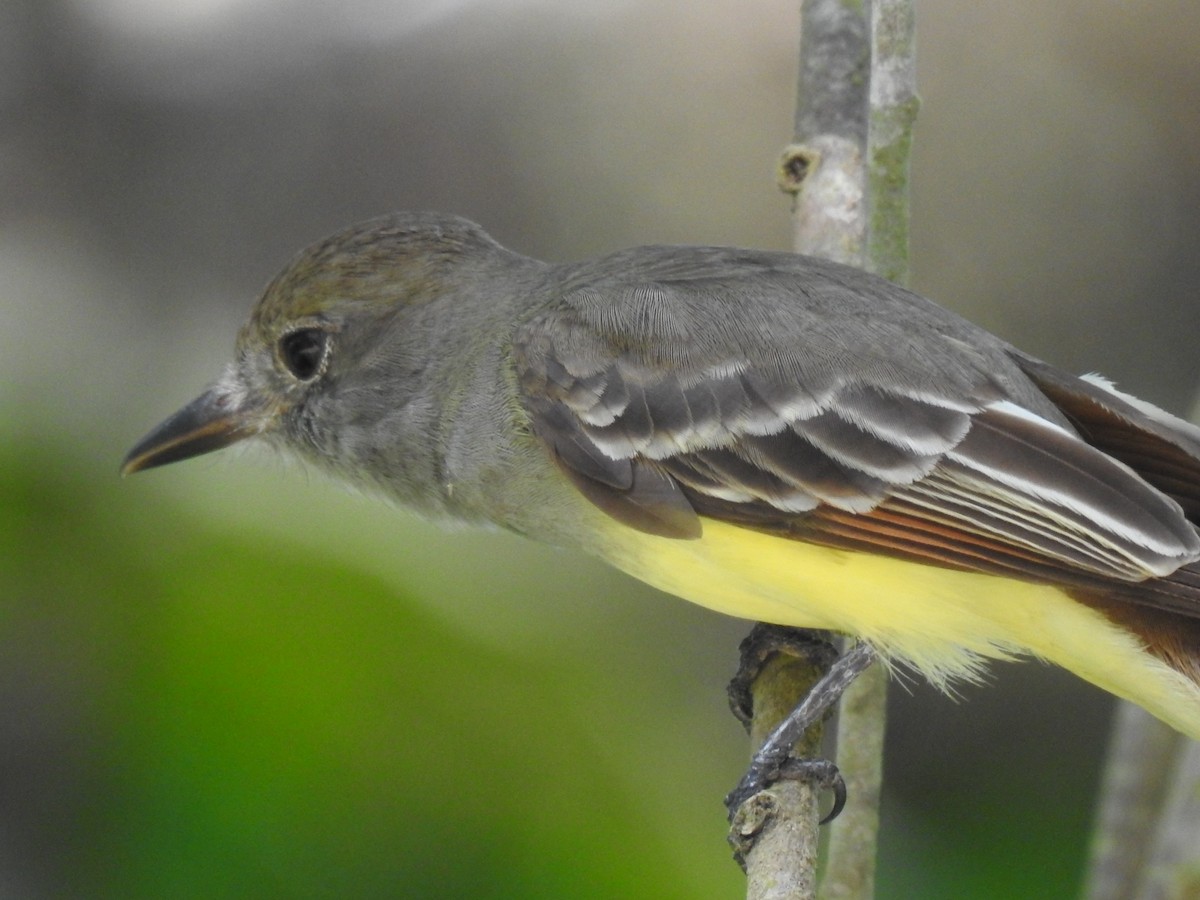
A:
<point x="796" y="163"/>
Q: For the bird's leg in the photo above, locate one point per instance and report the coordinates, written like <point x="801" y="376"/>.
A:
<point x="773" y="761"/>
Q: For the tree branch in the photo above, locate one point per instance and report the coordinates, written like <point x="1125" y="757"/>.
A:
<point x="1133" y="788"/>
<point x="850" y="869"/>
<point x="1173" y="864"/>
<point x="847" y="168"/>
<point x="774" y="832"/>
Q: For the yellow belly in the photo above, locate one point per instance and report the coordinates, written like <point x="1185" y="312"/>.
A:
<point x="938" y="620"/>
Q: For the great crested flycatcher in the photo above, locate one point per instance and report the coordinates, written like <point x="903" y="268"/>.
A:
<point x="774" y="436"/>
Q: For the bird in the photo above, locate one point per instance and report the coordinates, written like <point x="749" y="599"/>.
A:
<point x="774" y="436"/>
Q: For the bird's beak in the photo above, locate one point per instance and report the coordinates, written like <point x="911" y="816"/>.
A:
<point x="215" y="419"/>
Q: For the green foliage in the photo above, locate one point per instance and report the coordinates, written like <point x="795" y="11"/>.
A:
<point x="261" y="723"/>
<point x="202" y="709"/>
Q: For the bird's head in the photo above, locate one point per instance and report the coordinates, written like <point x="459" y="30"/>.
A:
<point x="326" y="342"/>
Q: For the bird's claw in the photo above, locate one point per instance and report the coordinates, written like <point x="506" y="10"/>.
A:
<point x="821" y="774"/>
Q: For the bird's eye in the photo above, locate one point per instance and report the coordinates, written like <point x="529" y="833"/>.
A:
<point x="303" y="352"/>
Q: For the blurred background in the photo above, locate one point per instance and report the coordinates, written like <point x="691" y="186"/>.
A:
<point x="231" y="678"/>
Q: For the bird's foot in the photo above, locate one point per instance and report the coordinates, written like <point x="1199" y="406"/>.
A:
<point x="773" y="762"/>
<point x="822" y="774"/>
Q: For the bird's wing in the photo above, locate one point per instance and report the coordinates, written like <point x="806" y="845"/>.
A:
<point x="1162" y="448"/>
<point x="910" y="433"/>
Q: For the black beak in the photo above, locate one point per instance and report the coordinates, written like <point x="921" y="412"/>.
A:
<point x="211" y="421"/>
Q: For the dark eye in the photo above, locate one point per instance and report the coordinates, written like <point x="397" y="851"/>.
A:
<point x="303" y="352"/>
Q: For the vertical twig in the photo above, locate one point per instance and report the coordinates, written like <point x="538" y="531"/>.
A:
<point x="1173" y="864"/>
<point x="1133" y="790"/>
<point x="850" y="866"/>
<point x="848" y="170"/>
<point x="850" y="869"/>
<point x="824" y="168"/>
<point x="777" y="827"/>
<point x="893" y="112"/>
<point x="1146" y="833"/>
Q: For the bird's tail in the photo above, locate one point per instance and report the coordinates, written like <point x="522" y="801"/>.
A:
<point x="1162" y="613"/>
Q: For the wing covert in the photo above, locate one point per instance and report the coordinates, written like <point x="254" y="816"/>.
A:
<point x="925" y="456"/>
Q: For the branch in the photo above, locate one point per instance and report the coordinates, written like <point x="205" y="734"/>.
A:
<point x="1144" y="844"/>
<point x="774" y="832"/>
<point x="824" y="169"/>
<point x="824" y="166"/>
<point x="1148" y="814"/>
<point x="850" y="869"/>
<point x="850" y="866"/>
<point x="1133" y="790"/>
<point x="893" y="113"/>
<point x="847" y="168"/>
<point x="1173" y="864"/>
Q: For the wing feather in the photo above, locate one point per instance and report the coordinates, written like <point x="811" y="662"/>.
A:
<point x="951" y="454"/>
